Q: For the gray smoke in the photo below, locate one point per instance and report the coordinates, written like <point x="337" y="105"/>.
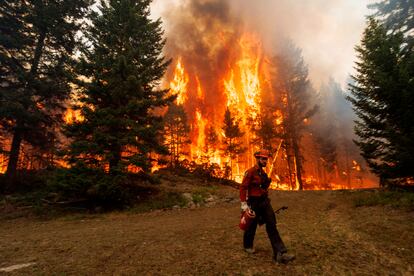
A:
<point x="325" y="30"/>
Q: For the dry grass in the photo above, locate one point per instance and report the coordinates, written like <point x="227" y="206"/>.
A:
<point x="323" y="228"/>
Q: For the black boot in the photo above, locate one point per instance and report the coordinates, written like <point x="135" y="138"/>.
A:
<point x="283" y="258"/>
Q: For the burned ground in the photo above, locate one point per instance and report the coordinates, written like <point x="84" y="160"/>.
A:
<point x="322" y="228"/>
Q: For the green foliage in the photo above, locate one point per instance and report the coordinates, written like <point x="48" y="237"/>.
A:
<point x="397" y="16"/>
<point x="397" y="199"/>
<point x="383" y="100"/>
<point x="37" y="43"/>
<point x="201" y="194"/>
<point x="121" y="69"/>
<point x="93" y="187"/>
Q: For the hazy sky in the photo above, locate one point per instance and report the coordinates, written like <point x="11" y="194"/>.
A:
<point x="326" y="30"/>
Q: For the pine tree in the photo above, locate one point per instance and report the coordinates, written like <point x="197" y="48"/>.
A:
<point x="232" y="144"/>
<point x="176" y="132"/>
<point x="37" y="43"/>
<point x="267" y="133"/>
<point x="383" y="100"/>
<point x="210" y="145"/>
<point x="211" y="140"/>
<point x="397" y="16"/>
<point x="121" y="69"/>
<point x="297" y="101"/>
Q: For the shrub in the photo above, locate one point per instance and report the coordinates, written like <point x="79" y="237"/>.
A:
<point x="94" y="187"/>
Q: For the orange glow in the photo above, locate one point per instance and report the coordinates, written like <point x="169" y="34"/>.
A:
<point x="198" y="146"/>
<point x="241" y="88"/>
<point x="179" y="84"/>
<point x="356" y="166"/>
<point x="200" y="93"/>
<point x="3" y="163"/>
<point x="243" y="84"/>
<point x="72" y="116"/>
<point x="240" y="85"/>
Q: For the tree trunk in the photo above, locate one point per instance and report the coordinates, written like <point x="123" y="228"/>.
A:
<point x="38" y="53"/>
<point x="348" y="170"/>
<point x="298" y="161"/>
<point x="115" y="159"/>
<point x="14" y="156"/>
<point x="17" y="136"/>
<point x="289" y="162"/>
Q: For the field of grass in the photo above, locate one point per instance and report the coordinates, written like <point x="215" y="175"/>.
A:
<point x="330" y="232"/>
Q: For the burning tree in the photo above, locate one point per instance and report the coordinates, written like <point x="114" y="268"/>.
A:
<point x="268" y="132"/>
<point x="232" y="135"/>
<point x="121" y="69"/>
<point x="332" y="134"/>
<point x="36" y="47"/>
<point x="212" y="139"/>
<point x="176" y="130"/>
<point x="296" y="98"/>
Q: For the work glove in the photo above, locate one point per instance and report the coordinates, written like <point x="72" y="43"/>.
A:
<point x="244" y="207"/>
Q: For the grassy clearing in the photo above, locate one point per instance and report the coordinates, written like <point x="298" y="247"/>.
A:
<point x="328" y="235"/>
<point x="200" y="194"/>
<point x="395" y="199"/>
<point x="162" y="201"/>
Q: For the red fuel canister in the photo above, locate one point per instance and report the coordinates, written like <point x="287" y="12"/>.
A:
<point x="246" y="219"/>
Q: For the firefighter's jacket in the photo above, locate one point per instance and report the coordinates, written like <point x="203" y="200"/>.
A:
<point x="254" y="184"/>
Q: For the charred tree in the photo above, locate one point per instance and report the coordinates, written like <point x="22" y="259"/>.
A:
<point x="296" y="97"/>
<point x="121" y="70"/>
<point x="36" y="53"/>
<point x="232" y="141"/>
<point x="212" y="140"/>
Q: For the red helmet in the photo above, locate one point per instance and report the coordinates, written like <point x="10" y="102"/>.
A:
<point x="262" y="153"/>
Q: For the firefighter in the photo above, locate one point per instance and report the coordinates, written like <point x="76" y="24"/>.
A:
<point x="254" y="196"/>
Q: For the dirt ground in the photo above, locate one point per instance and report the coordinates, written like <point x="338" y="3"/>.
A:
<point x="322" y="228"/>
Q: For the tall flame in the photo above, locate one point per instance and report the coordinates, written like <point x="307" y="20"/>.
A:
<point x="240" y="85"/>
<point x="72" y="116"/>
<point x="179" y="84"/>
<point x="198" y="148"/>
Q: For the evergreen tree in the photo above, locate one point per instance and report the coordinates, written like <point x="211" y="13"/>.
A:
<point x="37" y="43"/>
<point x="210" y="146"/>
<point x="176" y="132"/>
<point x="267" y="133"/>
<point x="121" y="69"/>
<point x="297" y="101"/>
<point x="397" y="16"/>
<point x="383" y="100"/>
<point x="232" y="144"/>
<point x="211" y="139"/>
